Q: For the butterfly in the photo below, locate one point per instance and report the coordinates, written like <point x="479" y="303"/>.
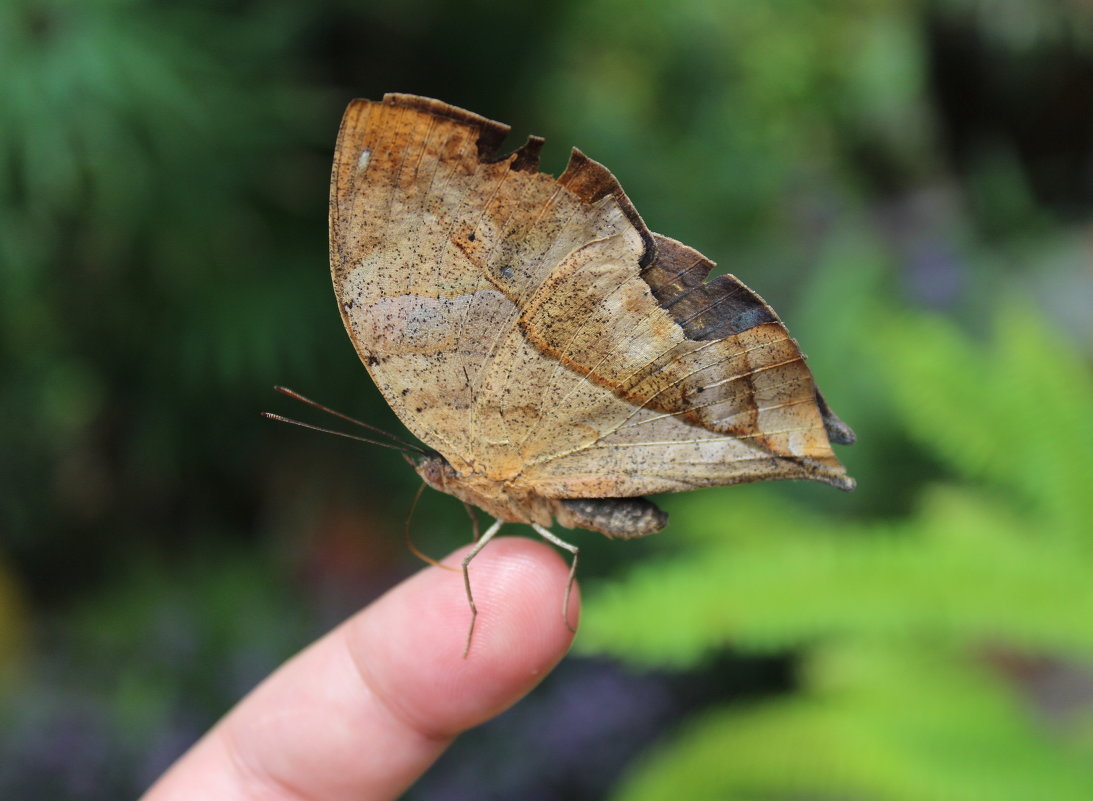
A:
<point x="558" y="359"/>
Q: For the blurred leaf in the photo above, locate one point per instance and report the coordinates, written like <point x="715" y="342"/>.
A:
<point x="1016" y="416"/>
<point x="794" y="580"/>
<point x="907" y="724"/>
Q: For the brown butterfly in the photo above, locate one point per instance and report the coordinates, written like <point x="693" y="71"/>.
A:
<point x="558" y="358"/>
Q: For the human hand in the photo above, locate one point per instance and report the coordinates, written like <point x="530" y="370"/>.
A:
<point x="364" y="711"/>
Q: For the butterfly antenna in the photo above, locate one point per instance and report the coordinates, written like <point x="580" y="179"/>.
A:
<point x="409" y="540"/>
<point x="297" y="396"/>
<point x="281" y="419"/>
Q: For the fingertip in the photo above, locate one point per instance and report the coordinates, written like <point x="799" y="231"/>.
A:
<point x="421" y="627"/>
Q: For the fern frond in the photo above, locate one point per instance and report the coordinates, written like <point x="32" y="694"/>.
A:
<point x="964" y="570"/>
<point x="874" y="722"/>
<point x="1015" y="414"/>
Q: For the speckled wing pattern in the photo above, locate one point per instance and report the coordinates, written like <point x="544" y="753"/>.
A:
<point x="536" y="334"/>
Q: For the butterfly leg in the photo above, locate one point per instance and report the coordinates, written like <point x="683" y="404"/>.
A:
<point x="478" y="546"/>
<point x="549" y="536"/>
<point x="474" y="521"/>
<point x="410" y="541"/>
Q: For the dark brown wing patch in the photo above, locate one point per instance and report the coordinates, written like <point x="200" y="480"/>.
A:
<point x="490" y="132"/>
<point x="526" y="157"/>
<point x="704" y="309"/>
<point x="837" y="431"/>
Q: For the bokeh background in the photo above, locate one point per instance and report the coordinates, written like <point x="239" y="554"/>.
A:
<point x="910" y="183"/>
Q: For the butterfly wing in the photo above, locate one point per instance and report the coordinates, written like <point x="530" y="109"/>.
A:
<point x="533" y="330"/>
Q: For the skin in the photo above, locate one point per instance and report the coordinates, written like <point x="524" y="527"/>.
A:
<point x="364" y="711"/>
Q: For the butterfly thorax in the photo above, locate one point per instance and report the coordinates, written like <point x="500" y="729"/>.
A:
<point x="616" y="517"/>
<point x="499" y="499"/>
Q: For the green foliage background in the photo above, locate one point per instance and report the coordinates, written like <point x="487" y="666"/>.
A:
<point x="909" y="182"/>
